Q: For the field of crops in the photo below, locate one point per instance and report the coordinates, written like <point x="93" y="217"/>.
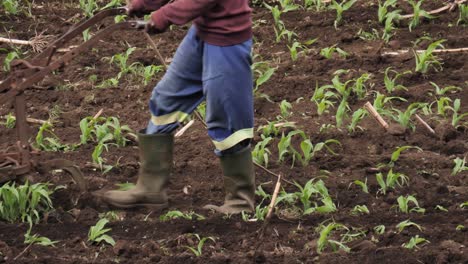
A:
<point x="351" y="190"/>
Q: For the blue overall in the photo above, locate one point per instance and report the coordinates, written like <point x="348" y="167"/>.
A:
<point x="222" y="76"/>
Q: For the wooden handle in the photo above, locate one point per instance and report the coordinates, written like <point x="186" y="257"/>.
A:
<point x="376" y="115"/>
<point x="426" y="125"/>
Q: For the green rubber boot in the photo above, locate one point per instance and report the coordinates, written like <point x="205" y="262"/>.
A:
<point x="156" y="163"/>
<point x="239" y="182"/>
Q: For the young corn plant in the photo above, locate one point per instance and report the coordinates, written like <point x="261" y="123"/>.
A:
<point x="316" y="190"/>
<point x="380" y="229"/>
<point x="426" y="59"/>
<point x="98" y="159"/>
<point x="329" y="51"/>
<point x="441" y="208"/>
<point x="391" y="81"/>
<point x="305" y="194"/>
<point x="37" y="240"/>
<point x="390" y="181"/>
<point x="86" y="35"/>
<point x="397" y="153"/>
<point x="309" y="150"/>
<point x="259" y="214"/>
<point x="363" y="185"/>
<point x="284" y="146"/>
<point x="405" y="224"/>
<point x="281" y="32"/>
<point x="261" y="153"/>
<point x="403" y="204"/>
<point x="97" y="233"/>
<point x="460" y="166"/>
<point x="359" y="86"/>
<point x="119" y="131"/>
<point x="456" y="116"/>
<point x="276" y="13"/>
<point x="89" y="7"/>
<point x="102" y="130"/>
<point x="383" y="9"/>
<point x="414" y="242"/>
<point x="181" y="215"/>
<point x="360" y="210"/>
<point x="285" y="110"/>
<point x="443" y="105"/>
<point x="318" y="5"/>
<point x="11" y="7"/>
<point x="272" y="128"/>
<point x="381" y="101"/>
<point x="24" y="202"/>
<point x="404" y="117"/>
<point x="463" y="16"/>
<point x="111" y="216"/>
<point x="297" y="47"/>
<point x="11" y="56"/>
<point x="356" y="118"/>
<point x="418" y="13"/>
<point x="352" y="235"/>
<point x="262" y="73"/>
<point x="340" y="8"/>
<point x="389" y="27"/>
<point x="342" y="112"/>
<point x="442" y="91"/>
<point x="112" y="4"/>
<point x="343" y="88"/>
<point x="324" y="240"/>
<point x="368" y="36"/>
<point x="322" y="98"/>
<point x="149" y="71"/>
<point x="121" y="60"/>
<point x="50" y="143"/>
<point x="10" y="121"/>
<point x="201" y="242"/>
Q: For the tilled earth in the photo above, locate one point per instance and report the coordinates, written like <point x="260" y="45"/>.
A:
<point x="197" y="180"/>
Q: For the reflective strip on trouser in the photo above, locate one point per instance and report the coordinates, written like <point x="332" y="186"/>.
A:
<point x="220" y="75"/>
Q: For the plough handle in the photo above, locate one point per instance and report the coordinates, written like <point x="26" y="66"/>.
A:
<point x="77" y="30"/>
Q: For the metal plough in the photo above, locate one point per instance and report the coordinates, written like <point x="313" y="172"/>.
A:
<point x="17" y="161"/>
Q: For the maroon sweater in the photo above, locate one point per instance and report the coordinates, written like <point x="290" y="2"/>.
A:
<point x="218" y="22"/>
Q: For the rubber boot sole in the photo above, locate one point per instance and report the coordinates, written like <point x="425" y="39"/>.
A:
<point x="100" y="199"/>
<point x="139" y="205"/>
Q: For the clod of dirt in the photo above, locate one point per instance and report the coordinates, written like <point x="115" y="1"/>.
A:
<point x="311" y="245"/>
<point x="88" y="215"/>
<point x="396" y="130"/>
<point x="452" y="252"/>
<point x="462" y="190"/>
<point x="446" y="131"/>
<point x="124" y="248"/>
<point x="260" y="257"/>
<point x="5" y="252"/>
<point x="364" y="245"/>
<point x="394" y="44"/>
<point x="455" y="147"/>
<point x="452" y="246"/>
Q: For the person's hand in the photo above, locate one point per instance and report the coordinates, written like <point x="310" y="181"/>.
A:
<point x="151" y="28"/>
<point x="136" y="8"/>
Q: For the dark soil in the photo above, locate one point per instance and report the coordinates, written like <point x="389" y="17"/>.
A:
<point x="140" y="235"/>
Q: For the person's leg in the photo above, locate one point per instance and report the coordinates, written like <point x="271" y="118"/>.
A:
<point x="228" y="84"/>
<point x="180" y="90"/>
<point x="172" y="100"/>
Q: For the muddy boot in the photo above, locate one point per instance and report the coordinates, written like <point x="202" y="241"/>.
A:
<point x="239" y="182"/>
<point x="156" y="163"/>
